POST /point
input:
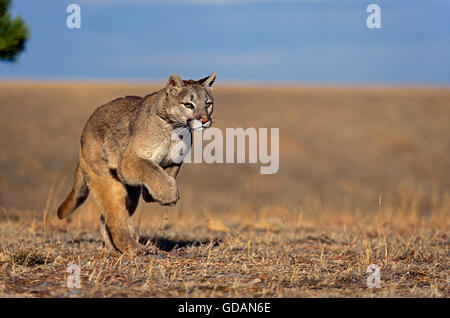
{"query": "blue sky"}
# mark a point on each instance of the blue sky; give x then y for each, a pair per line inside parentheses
(309, 41)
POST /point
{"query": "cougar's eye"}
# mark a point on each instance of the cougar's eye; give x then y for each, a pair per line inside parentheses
(189, 105)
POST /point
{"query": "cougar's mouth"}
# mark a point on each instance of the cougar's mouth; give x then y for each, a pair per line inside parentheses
(200, 124)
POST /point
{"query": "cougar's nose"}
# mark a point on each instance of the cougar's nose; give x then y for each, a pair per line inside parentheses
(204, 120)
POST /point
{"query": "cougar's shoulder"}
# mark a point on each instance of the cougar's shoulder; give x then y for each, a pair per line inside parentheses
(108, 128)
(113, 115)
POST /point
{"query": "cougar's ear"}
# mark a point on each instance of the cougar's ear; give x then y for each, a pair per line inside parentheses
(208, 81)
(174, 84)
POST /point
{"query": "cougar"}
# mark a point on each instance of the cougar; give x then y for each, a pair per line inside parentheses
(126, 150)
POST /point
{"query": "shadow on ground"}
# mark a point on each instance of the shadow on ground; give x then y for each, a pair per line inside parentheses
(168, 245)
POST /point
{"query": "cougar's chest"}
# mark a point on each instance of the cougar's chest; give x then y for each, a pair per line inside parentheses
(156, 152)
(179, 147)
(167, 147)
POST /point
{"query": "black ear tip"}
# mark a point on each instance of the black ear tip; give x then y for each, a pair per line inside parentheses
(208, 80)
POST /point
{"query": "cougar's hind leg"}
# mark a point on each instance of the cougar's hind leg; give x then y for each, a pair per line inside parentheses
(109, 245)
(111, 197)
(134, 193)
(77, 196)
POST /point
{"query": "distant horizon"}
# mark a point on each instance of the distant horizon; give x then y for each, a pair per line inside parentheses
(223, 83)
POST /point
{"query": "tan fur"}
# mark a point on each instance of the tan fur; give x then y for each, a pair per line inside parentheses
(125, 150)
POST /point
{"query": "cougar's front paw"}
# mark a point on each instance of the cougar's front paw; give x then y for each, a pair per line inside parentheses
(168, 193)
(171, 195)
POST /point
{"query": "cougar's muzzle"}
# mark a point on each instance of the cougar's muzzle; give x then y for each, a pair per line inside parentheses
(201, 123)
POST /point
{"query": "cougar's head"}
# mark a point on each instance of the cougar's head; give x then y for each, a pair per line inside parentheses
(189, 103)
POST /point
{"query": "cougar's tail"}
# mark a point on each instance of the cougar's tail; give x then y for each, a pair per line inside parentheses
(77, 196)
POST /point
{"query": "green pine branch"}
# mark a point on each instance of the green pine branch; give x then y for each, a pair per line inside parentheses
(13, 33)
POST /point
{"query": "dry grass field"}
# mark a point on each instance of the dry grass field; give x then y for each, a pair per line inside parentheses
(364, 179)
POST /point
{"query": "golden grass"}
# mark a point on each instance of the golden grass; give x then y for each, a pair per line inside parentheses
(363, 180)
(270, 253)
